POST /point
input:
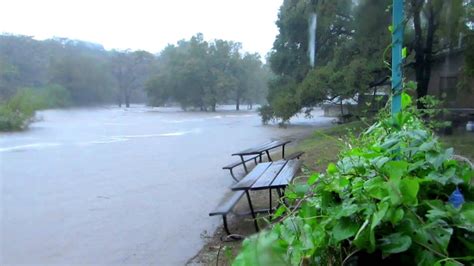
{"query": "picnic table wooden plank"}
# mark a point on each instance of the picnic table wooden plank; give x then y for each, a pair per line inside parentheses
(226, 205)
(251, 177)
(262, 148)
(287, 173)
(269, 175)
(254, 150)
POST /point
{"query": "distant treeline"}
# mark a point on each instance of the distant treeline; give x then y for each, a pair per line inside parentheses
(61, 72)
(200, 74)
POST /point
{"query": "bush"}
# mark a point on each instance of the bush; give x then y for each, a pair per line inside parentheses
(54, 96)
(18, 112)
(266, 113)
(395, 195)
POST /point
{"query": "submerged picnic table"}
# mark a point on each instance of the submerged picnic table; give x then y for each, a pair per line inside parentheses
(264, 148)
(270, 175)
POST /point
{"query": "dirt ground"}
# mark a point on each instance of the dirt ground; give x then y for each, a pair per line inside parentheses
(221, 249)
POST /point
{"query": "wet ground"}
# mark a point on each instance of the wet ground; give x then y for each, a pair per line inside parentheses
(110, 186)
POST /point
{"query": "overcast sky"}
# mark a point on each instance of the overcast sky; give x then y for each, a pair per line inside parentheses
(144, 24)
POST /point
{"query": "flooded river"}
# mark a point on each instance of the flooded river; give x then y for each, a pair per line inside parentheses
(110, 186)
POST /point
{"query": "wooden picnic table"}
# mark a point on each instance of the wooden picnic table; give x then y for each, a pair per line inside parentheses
(269, 175)
(263, 148)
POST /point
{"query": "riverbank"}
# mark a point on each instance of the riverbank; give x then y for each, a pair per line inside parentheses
(321, 148)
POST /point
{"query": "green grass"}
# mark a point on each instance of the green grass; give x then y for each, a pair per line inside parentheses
(462, 142)
(324, 145)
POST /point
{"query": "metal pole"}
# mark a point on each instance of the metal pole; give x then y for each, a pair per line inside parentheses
(397, 43)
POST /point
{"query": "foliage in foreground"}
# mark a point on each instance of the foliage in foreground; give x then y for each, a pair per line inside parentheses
(19, 111)
(391, 196)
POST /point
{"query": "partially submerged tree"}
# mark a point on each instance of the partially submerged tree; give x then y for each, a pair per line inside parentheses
(131, 70)
(201, 74)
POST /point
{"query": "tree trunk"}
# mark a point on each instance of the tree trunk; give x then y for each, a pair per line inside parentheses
(429, 50)
(423, 53)
(419, 53)
(342, 108)
(374, 106)
(127, 99)
(237, 103)
(120, 97)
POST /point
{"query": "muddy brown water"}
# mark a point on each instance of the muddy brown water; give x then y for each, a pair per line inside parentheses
(110, 186)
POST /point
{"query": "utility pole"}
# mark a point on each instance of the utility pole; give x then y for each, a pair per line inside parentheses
(397, 60)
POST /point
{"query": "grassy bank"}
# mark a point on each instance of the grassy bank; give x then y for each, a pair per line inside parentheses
(324, 145)
(321, 148)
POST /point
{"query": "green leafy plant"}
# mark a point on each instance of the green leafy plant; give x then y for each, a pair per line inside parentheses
(18, 112)
(394, 195)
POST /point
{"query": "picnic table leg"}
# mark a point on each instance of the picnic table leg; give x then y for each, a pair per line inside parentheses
(270, 210)
(252, 211)
(268, 155)
(280, 194)
(243, 163)
(226, 227)
(283, 151)
(260, 157)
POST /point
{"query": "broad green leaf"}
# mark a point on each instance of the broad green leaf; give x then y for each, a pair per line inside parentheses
(343, 182)
(424, 258)
(344, 229)
(379, 215)
(375, 187)
(332, 169)
(427, 146)
(406, 100)
(452, 263)
(395, 215)
(307, 237)
(404, 52)
(365, 238)
(439, 235)
(409, 188)
(279, 212)
(438, 177)
(347, 211)
(312, 179)
(395, 243)
(395, 169)
(437, 159)
(467, 211)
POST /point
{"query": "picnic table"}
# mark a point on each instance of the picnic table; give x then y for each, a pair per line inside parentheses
(263, 148)
(269, 175)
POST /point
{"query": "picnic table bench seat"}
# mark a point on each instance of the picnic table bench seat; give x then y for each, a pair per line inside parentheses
(294, 155)
(231, 166)
(226, 206)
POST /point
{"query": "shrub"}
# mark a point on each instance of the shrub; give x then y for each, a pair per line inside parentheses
(266, 113)
(395, 194)
(19, 111)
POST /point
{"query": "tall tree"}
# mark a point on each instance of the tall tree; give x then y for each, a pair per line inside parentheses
(436, 25)
(131, 70)
(350, 39)
(202, 74)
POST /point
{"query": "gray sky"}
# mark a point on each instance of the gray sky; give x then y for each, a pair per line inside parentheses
(144, 24)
